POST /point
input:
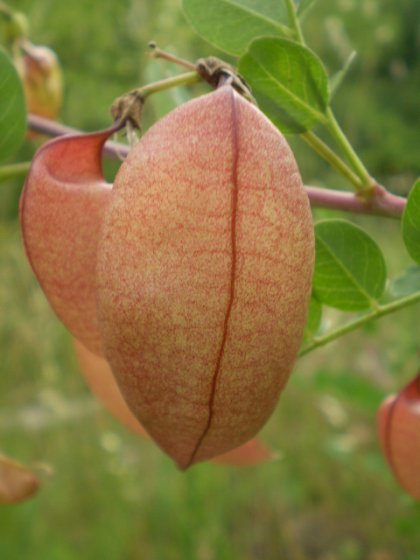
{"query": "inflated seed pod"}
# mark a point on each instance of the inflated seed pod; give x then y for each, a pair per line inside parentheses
(203, 275)
(99, 377)
(61, 211)
(399, 431)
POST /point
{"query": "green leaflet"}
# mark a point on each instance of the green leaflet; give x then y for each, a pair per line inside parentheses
(289, 82)
(231, 25)
(411, 223)
(350, 271)
(314, 318)
(407, 283)
(12, 108)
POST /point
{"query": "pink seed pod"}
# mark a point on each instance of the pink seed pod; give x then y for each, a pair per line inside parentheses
(61, 213)
(399, 432)
(100, 379)
(17, 482)
(204, 273)
(42, 79)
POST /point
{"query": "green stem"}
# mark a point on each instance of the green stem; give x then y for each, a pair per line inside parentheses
(294, 21)
(376, 313)
(349, 152)
(129, 107)
(14, 171)
(163, 55)
(365, 184)
(186, 79)
(321, 148)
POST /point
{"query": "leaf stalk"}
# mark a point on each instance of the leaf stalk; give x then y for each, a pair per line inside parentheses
(376, 313)
(14, 171)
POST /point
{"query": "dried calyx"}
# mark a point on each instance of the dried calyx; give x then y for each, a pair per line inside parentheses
(218, 72)
(128, 108)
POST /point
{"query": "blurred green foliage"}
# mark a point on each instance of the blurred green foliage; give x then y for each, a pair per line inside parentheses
(114, 496)
(378, 103)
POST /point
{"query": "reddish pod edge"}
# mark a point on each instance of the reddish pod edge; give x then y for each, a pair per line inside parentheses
(399, 433)
(17, 482)
(61, 213)
(101, 381)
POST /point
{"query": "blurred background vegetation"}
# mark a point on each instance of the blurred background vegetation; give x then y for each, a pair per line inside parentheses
(109, 495)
